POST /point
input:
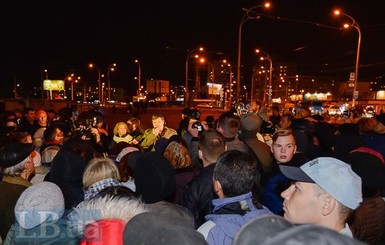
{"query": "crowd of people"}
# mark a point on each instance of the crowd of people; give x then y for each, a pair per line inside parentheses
(243, 178)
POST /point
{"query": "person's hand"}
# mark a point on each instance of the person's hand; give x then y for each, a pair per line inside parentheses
(157, 131)
(134, 141)
(193, 131)
(205, 125)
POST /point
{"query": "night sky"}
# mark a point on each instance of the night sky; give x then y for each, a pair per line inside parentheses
(64, 36)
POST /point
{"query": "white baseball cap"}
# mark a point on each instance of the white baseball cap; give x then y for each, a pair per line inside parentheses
(332, 175)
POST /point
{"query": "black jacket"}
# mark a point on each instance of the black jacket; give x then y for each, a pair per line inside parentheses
(198, 195)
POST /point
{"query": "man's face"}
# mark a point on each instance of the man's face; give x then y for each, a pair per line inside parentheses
(41, 118)
(59, 136)
(30, 116)
(301, 203)
(284, 123)
(158, 123)
(254, 107)
(284, 148)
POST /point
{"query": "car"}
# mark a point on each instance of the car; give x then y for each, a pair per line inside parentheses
(334, 110)
(369, 112)
(204, 105)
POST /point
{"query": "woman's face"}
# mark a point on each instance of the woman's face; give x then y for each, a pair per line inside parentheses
(122, 130)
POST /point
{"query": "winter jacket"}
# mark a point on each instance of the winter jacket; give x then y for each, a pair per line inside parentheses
(199, 193)
(228, 215)
(368, 221)
(149, 138)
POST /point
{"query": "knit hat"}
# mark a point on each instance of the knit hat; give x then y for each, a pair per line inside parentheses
(38, 137)
(39, 203)
(369, 167)
(14, 153)
(133, 159)
(36, 159)
(186, 111)
(154, 177)
(49, 153)
(99, 119)
(299, 234)
(275, 230)
(104, 231)
(154, 228)
(118, 148)
(195, 114)
(332, 175)
(178, 155)
(312, 234)
(125, 151)
(261, 229)
(250, 122)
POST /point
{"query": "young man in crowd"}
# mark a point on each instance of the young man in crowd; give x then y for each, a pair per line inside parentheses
(284, 149)
(199, 192)
(233, 181)
(324, 191)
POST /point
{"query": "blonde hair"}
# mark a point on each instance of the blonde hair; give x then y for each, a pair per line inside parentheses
(281, 133)
(99, 169)
(117, 126)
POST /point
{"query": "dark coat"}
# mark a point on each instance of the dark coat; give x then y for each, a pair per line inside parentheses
(67, 172)
(199, 193)
(368, 221)
(10, 191)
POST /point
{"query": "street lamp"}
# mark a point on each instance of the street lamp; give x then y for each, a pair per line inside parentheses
(72, 81)
(230, 81)
(190, 54)
(245, 17)
(111, 68)
(99, 80)
(267, 57)
(139, 77)
(355, 25)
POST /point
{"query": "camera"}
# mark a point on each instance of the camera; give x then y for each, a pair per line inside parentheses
(198, 125)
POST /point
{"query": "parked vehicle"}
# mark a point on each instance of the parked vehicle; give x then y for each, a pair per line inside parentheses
(204, 105)
(334, 110)
(315, 106)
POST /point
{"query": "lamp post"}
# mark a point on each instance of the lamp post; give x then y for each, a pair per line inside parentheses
(267, 57)
(355, 25)
(72, 81)
(230, 81)
(99, 81)
(139, 77)
(189, 55)
(111, 68)
(245, 17)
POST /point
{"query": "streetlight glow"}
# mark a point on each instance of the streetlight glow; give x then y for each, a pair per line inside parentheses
(245, 17)
(270, 91)
(357, 27)
(111, 68)
(139, 78)
(191, 54)
(99, 80)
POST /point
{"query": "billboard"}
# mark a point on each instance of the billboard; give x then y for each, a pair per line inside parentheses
(53, 85)
(158, 86)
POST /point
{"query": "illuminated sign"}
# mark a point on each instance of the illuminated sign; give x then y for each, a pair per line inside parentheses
(214, 88)
(53, 85)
